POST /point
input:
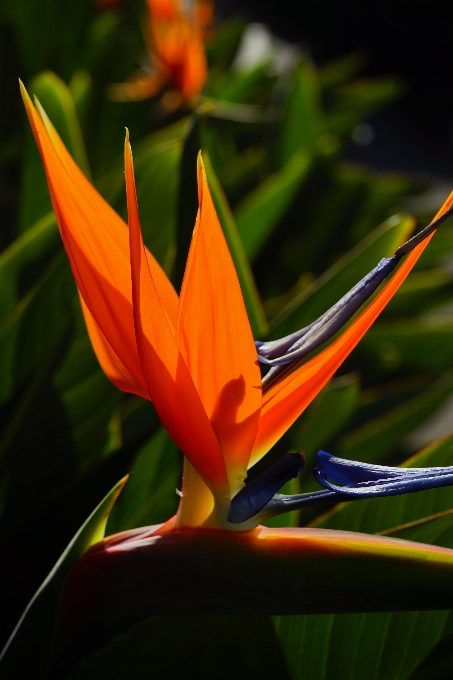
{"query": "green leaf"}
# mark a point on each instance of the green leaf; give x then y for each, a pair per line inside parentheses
(88, 396)
(303, 116)
(342, 276)
(36, 243)
(421, 290)
(150, 496)
(383, 192)
(259, 213)
(81, 88)
(424, 343)
(160, 170)
(386, 646)
(187, 203)
(326, 415)
(357, 100)
(338, 71)
(157, 160)
(221, 48)
(373, 441)
(35, 324)
(252, 301)
(34, 632)
(239, 87)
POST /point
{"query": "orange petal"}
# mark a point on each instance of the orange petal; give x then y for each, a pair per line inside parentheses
(111, 364)
(169, 383)
(137, 88)
(191, 76)
(203, 16)
(96, 241)
(178, 45)
(164, 10)
(216, 341)
(286, 400)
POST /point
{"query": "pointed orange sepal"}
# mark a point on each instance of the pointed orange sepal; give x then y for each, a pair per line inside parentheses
(216, 340)
(169, 383)
(96, 241)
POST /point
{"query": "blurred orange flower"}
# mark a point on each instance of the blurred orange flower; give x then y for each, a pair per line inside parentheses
(175, 38)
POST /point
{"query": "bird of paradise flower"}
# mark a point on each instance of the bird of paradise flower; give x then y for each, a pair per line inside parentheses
(195, 358)
(175, 39)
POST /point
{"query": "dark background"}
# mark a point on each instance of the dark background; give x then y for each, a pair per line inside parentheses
(410, 40)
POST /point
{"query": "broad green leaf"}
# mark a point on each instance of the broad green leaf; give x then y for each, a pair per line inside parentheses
(421, 290)
(435, 529)
(35, 445)
(373, 441)
(438, 664)
(187, 201)
(239, 87)
(34, 632)
(326, 415)
(34, 202)
(35, 324)
(221, 48)
(87, 395)
(259, 213)
(157, 162)
(386, 646)
(240, 170)
(150, 496)
(37, 242)
(99, 38)
(382, 194)
(111, 184)
(342, 276)
(424, 343)
(438, 247)
(303, 116)
(338, 71)
(81, 88)
(251, 298)
(157, 191)
(357, 100)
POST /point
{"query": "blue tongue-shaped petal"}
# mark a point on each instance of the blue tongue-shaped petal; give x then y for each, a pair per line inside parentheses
(255, 495)
(362, 480)
(359, 481)
(297, 345)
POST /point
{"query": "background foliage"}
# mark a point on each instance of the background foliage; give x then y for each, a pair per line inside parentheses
(303, 224)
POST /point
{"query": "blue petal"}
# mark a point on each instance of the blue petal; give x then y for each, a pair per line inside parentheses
(350, 472)
(388, 487)
(301, 343)
(255, 495)
(362, 480)
(294, 347)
